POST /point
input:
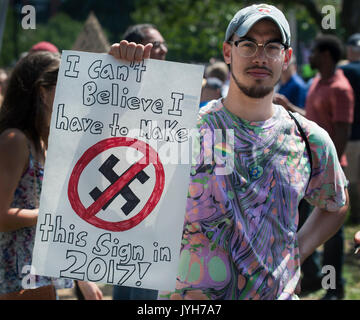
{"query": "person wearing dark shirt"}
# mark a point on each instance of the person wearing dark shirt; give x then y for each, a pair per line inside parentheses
(292, 86)
(352, 73)
(211, 90)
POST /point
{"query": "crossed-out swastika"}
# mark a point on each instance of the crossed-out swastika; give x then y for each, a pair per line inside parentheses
(131, 199)
(119, 184)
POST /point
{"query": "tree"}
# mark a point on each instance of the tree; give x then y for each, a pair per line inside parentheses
(347, 15)
(350, 17)
(194, 30)
(60, 30)
(113, 15)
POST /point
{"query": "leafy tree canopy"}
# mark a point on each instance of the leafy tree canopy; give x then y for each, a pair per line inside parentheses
(194, 30)
(60, 30)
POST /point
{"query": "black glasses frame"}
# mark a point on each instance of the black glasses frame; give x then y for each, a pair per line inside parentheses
(236, 43)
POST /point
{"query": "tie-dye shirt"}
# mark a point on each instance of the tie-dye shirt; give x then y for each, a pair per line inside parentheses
(239, 239)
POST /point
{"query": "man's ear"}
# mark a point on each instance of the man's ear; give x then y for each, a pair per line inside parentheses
(288, 54)
(227, 52)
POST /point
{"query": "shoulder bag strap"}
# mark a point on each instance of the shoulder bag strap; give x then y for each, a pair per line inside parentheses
(308, 149)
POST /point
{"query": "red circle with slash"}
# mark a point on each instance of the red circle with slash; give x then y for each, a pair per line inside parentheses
(150, 156)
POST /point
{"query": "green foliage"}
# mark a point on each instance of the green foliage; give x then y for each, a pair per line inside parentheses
(194, 30)
(113, 15)
(60, 30)
(8, 44)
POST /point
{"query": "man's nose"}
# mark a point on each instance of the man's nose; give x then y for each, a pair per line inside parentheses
(260, 55)
(163, 48)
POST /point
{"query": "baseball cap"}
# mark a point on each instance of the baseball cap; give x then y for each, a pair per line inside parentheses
(354, 40)
(245, 18)
(44, 46)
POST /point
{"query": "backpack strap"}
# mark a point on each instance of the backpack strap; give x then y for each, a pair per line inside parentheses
(308, 149)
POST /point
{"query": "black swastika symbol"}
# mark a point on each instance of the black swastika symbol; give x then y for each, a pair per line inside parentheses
(131, 199)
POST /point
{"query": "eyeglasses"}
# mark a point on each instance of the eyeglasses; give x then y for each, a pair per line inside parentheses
(248, 48)
(158, 44)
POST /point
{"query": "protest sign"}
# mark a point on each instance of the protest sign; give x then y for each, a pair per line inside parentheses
(117, 170)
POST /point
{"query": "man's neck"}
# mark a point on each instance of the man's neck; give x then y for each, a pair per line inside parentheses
(327, 71)
(247, 108)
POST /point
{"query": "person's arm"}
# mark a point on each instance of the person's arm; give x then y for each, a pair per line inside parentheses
(90, 290)
(357, 243)
(282, 100)
(130, 51)
(320, 226)
(13, 161)
(341, 136)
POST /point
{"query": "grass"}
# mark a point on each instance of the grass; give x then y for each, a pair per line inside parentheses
(351, 269)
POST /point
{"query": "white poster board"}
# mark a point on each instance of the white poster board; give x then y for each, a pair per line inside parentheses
(117, 170)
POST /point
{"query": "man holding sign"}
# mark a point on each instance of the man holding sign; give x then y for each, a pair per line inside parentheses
(240, 238)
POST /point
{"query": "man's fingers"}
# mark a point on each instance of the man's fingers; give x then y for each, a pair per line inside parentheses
(122, 48)
(139, 52)
(147, 50)
(115, 50)
(130, 51)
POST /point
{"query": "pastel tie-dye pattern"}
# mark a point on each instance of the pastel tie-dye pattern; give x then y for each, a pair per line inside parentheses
(239, 239)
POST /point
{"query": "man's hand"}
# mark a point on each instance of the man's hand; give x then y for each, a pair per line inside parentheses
(282, 100)
(130, 51)
(285, 102)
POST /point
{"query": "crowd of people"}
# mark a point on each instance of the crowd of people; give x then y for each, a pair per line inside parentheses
(258, 227)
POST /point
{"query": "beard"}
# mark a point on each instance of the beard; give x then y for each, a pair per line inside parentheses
(256, 91)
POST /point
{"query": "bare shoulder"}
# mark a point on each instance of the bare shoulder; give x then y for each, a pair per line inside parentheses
(12, 139)
(14, 145)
